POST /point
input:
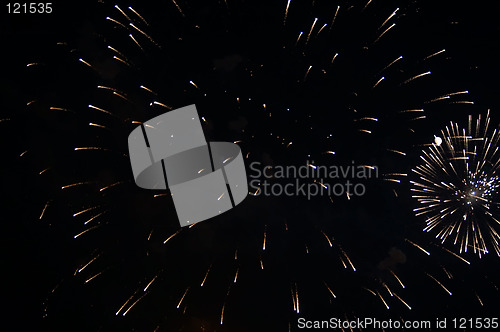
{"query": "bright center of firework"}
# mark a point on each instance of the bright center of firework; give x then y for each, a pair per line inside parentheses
(479, 190)
(438, 140)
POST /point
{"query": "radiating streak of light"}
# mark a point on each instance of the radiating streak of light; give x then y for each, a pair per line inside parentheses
(124, 304)
(116, 22)
(334, 17)
(148, 90)
(143, 33)
(94, 217)
(334, 57)
(75, 184)
(149, 284)
(400, 299)
(171, 236)
(434, 54)
(415, 77)
(384, 32)
(206, 275)
(311, 30)
(329, 289)
(418, 247)
(133, 304)
(457, 256)
(327, 238)
(296, 42)
(286, 12)
(412, 110)
(122, 61)
(307, 73)
(396, 277)
(387, 19)
(121, 96)
(293, 298)
(383, 301)
(93, 277)
(86, 210)
(369, 290)
(378, 82)
(117, 52)
(86, 63)
(52, 108)
(437, 99)
(264, 239)
(112, 185)
(479, 299)
(438, 282)
(87, 264)
(43, 211)
(162, 105)
(462, 102)
(236, 275)
(136, 42)
(348, 259)
(321, 29)
(101, 110)
(123, 13)
(222, 313)
(297, 297)
(138, 15)
(182, 298)
(178, 8)
(194, 84)
(97, 125)
(388, 289)
(396, 151)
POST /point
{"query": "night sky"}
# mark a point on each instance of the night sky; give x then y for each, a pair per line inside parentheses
(255, 82)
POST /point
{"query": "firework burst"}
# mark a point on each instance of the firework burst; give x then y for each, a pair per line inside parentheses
(458, 186)
(333, 94)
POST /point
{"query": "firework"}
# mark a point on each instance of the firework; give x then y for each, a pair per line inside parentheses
(332, 93)
(458, 186)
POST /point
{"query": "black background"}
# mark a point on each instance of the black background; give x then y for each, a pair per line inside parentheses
(41, 254)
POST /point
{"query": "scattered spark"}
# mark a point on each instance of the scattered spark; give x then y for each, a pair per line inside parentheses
(438, 282)
(434, 54)
(384, 32)
(311, 30)
(417, 246)
(286, 11)
(182, 298)
(395, 276)
(307, 73)
(149, 284)
(331, 292)
(93, 277)
(416, 76)
(43, 211)
(327, 238)
(400, 299)
(206, 275)
(171, 236)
